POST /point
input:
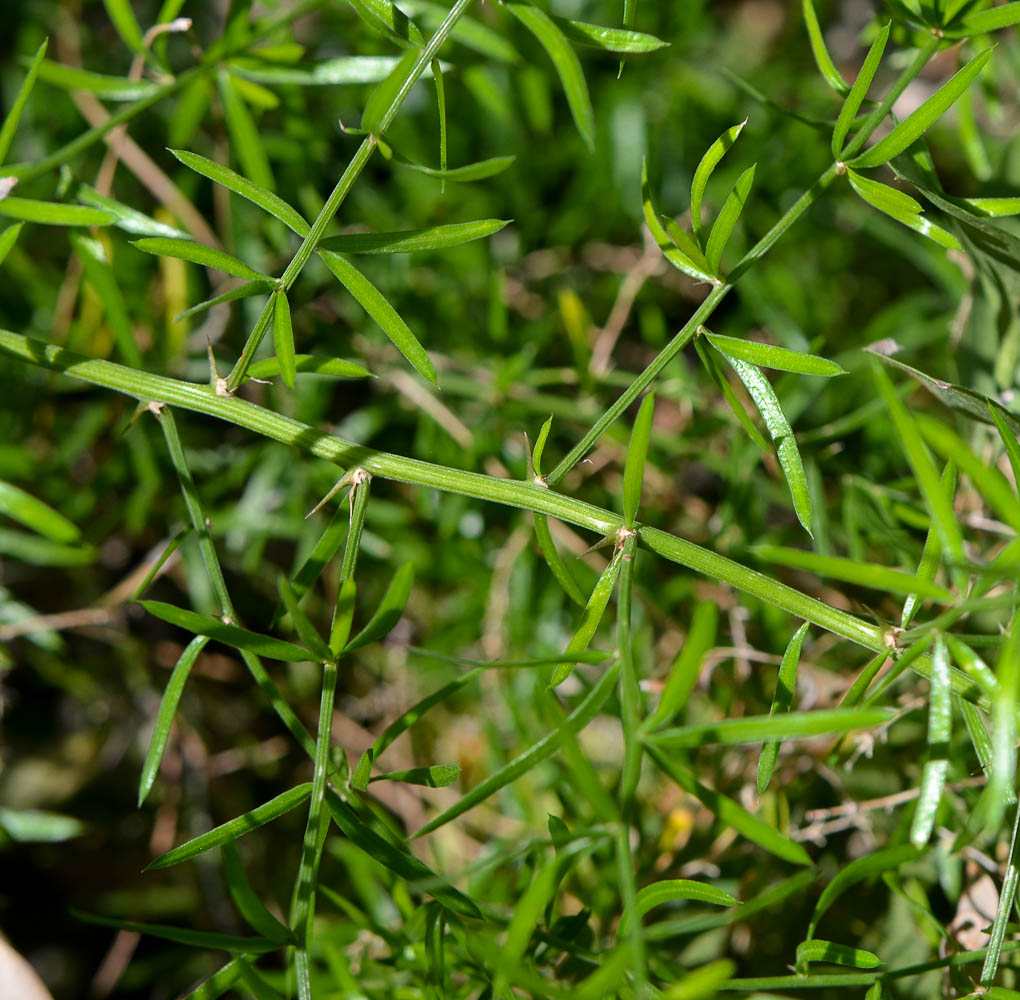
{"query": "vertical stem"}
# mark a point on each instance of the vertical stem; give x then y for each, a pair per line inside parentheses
(630, 692)
(318, 817)
(212, 565)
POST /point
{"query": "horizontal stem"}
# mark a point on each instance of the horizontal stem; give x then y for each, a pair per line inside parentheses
(527, 496)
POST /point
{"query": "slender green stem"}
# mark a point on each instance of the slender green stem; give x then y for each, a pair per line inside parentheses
(212, 564)
(304, 909)
(628, 896)
(526, 496)
(342, 189)
(663, 358)
(878, 113)
(701, 315)
(359, 501)
(630, 692)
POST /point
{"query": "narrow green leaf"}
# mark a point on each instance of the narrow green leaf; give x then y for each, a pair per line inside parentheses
(128, 219)
(678, 248)
(871, 864)
(362, 773)
(283, 338)
(708, 359)
(919, 121)
(931, 554)
(940, 731)
(858, 91)
(304, 628)
(994, 207)
(218, 983)
(1002, 773)
(621, 40)
(1009, 440)
(343, 616)
(577, 720)
(10, 125)
(527, 913)
(8, 238)
(53, 213)
(100, 275)
(555, 561)
(197, 253)
(343, 71)
(536, 455)
(863, 574)
(769, 356)
(977, 732)
(729, 813)
(413, 240)
(667, 891)
(972, 665)
(391, 607)
(245, 142)
(403, 864)
(901, 207)
(789, 726)
(826, 66)
(374, 303)
(183, 935)
(165, 716)
(988, 480)
(42, 552)
(817, 950)
(124, 20)
(385, 94)
(704, 171)
(232, 181)
(984, 21)
(701, 636)
(590, 619)
(722, 228)
(247, 902)
(1007, 897)
(245, 291)
(389, 21)
(237, 827)
(436, 776)
(856, 692)
(34, 514)
(312, 365)
(637, 453)
(778, 426)
(108, 88)
(786, 684)
(957, 397)
(936, 499)
(567, 65)
(469, 172)
(230, 635)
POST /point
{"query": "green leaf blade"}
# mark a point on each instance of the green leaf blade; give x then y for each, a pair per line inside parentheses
(414, 240)
(858, 91)
(10, 125)
(727, 218)
(637, 453)
(770, 356)
(198, 253)
(704, 171)
(283, 338)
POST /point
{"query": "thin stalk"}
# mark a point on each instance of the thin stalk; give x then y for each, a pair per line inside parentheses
(701, 315)
(343, 187)
(628, 896)
(526, 496)
(212, 565)
(878, 113)
(630, 692)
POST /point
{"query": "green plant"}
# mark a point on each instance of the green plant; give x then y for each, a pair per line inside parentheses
(576, 844)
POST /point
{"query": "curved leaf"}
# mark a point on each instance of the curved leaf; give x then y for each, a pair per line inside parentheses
(391, 607)
(817, 950)
(678, 248)
(901, 207)
(596, 36)
(770, 356)
(704, 171)
(826, 66)
(109, 88)
(34, 514)
(10, 125)
(54, 213)
(310, 364)
(568, 67)
(940, 732)
(127, 218)
(727, 218)
(786, 684)
(668, 891)
(283, 337)
(184, 935)
(637, 452)
(858, 91)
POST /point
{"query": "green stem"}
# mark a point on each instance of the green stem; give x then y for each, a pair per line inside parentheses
(630, 691)
(701, 315)
(212, 565)
(343, 187)
(920, 60)
(628, 896)
(526, 496)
